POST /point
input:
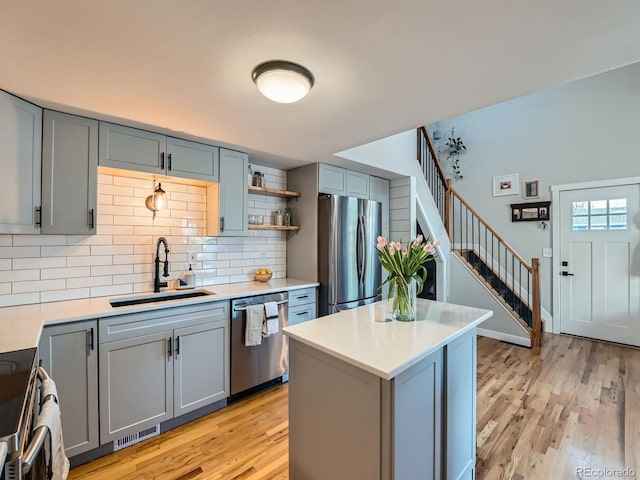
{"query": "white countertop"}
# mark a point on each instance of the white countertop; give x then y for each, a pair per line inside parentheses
(387, 348)
(20, 326)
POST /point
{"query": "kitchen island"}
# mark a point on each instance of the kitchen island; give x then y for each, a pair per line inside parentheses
(376, 400)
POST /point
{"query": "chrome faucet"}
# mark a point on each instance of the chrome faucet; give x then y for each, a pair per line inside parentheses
(165, 273)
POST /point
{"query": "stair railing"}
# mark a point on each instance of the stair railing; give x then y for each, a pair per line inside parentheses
(513, 280)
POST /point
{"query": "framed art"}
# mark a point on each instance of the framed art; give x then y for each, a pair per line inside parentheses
(505, 185)
(531, 189)
(530, 212)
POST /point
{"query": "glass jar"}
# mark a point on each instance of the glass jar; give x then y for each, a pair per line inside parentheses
(286, 217)
(278, 218)
(258, 180)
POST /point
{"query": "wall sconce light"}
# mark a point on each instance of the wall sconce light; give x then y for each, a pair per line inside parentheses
(157, 200)
(282, 81)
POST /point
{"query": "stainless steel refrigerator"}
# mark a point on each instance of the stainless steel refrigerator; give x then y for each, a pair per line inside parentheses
(348, 269)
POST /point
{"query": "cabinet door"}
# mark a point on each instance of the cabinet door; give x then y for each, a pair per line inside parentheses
(357, 184)
(69, 355)
(417, 422)
(332, 179)
(20, 164)
(233, 193)
(192, 160)
(461, 406)
(201, 366)
(131, 149)
(136, 384)
(302, 313)
(69, 173)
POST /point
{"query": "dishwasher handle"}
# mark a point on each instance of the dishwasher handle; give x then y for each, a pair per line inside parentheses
(244, 307)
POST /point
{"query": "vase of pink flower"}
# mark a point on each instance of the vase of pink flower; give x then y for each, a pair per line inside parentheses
(407, 273)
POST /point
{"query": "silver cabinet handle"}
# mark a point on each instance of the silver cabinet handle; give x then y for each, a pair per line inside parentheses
(239, 309)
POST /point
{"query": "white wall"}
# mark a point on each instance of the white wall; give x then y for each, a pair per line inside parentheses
(119, 259)
(585, 130)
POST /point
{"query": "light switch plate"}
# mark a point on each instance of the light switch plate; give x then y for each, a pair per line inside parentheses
(192, 257)
(547, 252)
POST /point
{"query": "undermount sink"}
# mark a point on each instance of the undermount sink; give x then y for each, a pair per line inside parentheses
(157, 297)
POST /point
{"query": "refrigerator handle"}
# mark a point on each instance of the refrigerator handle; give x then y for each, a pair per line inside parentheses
(361, 244)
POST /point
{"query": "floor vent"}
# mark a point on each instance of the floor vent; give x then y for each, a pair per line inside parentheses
(136, 437)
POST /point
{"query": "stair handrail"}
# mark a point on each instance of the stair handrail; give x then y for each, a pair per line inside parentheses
(449, 194)
(490, 228)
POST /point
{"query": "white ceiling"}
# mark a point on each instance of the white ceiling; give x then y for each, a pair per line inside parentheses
(381, 66)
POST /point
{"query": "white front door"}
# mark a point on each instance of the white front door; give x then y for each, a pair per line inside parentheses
(600, 263)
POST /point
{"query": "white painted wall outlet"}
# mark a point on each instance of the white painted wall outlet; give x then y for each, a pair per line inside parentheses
(192, 257)
(263, 255)
(547, 252)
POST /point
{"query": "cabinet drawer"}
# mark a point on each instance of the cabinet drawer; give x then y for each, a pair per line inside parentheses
(302, 296)
(159, 320)
(302, 313)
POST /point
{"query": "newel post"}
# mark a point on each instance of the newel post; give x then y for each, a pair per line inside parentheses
(536, 322)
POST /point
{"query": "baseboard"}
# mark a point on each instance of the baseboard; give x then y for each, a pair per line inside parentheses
(505, 337)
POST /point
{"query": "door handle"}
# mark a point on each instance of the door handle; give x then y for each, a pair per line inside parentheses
(169, 350)
(567, 274)
(177, 346)
(169, 162)
(161, 160)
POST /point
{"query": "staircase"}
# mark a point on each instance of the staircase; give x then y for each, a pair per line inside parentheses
(511, 280)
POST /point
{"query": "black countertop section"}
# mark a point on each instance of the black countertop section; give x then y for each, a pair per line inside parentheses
(15, 372)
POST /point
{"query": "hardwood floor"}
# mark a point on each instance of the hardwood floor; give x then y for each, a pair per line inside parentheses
(577, 405)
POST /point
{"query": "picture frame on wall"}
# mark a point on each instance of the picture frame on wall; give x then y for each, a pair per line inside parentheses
(531, 189)
(506, 185)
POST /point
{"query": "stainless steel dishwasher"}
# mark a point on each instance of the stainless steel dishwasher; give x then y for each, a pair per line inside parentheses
(253, 367)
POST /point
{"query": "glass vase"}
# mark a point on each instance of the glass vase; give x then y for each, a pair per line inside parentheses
(404, 300)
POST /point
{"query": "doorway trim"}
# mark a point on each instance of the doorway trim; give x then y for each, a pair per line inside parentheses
(555, 233)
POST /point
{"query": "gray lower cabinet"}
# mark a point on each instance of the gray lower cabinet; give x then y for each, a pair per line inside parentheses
(347, 423)
(69, 174)
(20, 164)
(69, 354)
(158, 365)
(302, 305)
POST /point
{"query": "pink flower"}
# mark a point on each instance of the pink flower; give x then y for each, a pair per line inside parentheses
(430, 248)
(436, 242)
(404, 250)
(398, 245)
(392, 250)
(382, 241)
(418, 240)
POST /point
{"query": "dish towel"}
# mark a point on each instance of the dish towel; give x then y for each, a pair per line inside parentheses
(272, 324)
(50, 418)
(253, 330)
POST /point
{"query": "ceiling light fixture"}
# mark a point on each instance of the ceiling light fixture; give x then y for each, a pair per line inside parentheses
(157, 200)
(282, 81)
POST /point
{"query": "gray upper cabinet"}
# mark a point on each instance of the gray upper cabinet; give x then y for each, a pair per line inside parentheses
(69, 174)
(357, 184)
(332, 179)
(69, 355)
(233, 193)
(192, 160)
(132, 149)
(20, 163)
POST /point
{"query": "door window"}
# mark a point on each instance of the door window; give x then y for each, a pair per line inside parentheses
(607, 214)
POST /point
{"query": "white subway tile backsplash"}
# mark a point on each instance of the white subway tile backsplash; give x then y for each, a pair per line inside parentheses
(119, 259)
(13, 252)
(110, 290)
(19, 299)
(39, 240)
(69, 272)
(21, 275)
(66, 251)
(29, 263)
(37, 286)
(67, 294)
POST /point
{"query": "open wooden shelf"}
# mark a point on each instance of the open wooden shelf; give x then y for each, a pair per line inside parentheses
(273, 227)
(272, 192)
